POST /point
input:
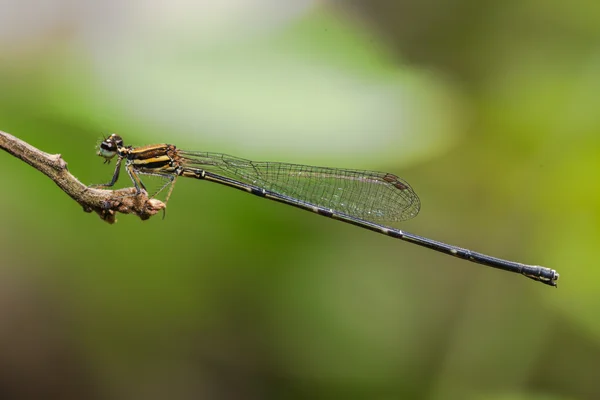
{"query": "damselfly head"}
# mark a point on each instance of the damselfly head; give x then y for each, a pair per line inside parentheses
(109, 147)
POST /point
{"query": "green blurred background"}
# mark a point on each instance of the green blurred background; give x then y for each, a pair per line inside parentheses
(489, 109)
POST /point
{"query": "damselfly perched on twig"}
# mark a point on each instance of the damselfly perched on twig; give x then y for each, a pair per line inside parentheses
(363, 198)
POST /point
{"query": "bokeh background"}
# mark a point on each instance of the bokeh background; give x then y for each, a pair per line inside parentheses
(488, 108)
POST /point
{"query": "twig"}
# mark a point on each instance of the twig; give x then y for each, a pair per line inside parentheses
(106, 203)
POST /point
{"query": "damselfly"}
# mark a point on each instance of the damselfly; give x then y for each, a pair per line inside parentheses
(363, 198)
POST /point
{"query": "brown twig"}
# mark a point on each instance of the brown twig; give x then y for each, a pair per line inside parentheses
(106, 203)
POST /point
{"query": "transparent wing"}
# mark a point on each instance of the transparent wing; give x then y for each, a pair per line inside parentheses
(369, 195)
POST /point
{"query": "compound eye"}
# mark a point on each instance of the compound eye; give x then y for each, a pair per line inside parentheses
(117, 140)
(108, 147)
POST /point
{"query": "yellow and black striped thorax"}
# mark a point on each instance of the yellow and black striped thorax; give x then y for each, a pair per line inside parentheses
(156, 157)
